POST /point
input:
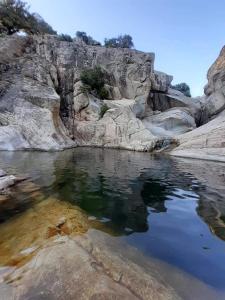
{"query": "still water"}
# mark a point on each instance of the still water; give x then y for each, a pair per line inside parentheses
(169, 208)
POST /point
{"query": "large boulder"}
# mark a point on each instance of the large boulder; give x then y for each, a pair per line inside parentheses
(215, 89)
(29, 106)
(205, 142)
(171, 122)
(119, 128)
(208, 140)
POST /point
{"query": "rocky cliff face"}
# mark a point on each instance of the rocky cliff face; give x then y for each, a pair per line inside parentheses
(208, 141)
(42, 106)
(29, 104)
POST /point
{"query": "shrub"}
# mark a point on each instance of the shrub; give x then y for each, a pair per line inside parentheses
(103, 110)
(15, 16)
(65, 37)
(183, 88)
(103, 93)
(122, 41)
(87, 39)
(93, 82)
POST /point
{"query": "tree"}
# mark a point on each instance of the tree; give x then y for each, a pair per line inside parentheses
(82, 35)
(122, 41)
(125, 41)
(42, 26)
(65, 37)
(15, 16)
(111, 43)
(183, 88)
(87, 39)
(93, 81)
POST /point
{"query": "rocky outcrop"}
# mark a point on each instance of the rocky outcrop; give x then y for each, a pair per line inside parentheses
(42, 106)
(29, 104)
(215, 89)
(208, 141)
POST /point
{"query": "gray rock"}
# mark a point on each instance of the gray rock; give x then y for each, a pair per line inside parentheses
(7, 181)
(215, 89)
(170, 122)
(42, 106)
(208, 140)
(45, 87)
(2, 173)
(79, 268)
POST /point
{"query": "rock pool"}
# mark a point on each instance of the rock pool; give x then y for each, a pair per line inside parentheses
(171, 210)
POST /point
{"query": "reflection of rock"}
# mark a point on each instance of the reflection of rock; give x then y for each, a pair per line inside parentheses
(17, 197)
(122, 184)
(211, 205)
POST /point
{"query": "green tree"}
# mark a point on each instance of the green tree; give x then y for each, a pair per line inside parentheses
(183, 88)
(15, 16)
(87, 39)
(93, 81)
(65, 37)
(122, 41)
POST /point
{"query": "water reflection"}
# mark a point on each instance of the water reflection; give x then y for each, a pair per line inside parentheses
(168, 208)
(122, 188)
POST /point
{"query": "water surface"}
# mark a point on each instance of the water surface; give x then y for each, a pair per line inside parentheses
(171, 209)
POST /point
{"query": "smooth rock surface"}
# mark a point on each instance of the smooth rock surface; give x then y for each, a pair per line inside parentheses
(77, 269)
(205, 142)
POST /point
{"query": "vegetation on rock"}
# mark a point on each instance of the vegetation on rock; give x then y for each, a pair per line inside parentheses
(122, 41)
(93, 82)
(183, 88)
(103, 110)
(87, 39)
(15, 17)
(65, 37)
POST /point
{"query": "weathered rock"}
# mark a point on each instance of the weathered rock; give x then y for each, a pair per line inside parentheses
(29, 106)
(215, 89)
(41, 75)
(171, 122)
(119, 128)
(2, 173)
(208, 141)
(42, 106)
(77, 269)
(7, 181)
(205, 142)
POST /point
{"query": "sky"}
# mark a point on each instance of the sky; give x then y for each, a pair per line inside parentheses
(185, 35)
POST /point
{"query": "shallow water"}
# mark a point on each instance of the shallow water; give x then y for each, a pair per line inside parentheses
(170, 209)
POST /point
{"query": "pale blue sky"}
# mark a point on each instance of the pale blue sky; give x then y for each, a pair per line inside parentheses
(186, 35)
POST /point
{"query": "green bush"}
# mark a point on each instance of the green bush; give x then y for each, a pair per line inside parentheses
(122, 41)
(87, 39)
(183, 88)
(103, 93)
(103, 110)
(93, 81)
(65, 37)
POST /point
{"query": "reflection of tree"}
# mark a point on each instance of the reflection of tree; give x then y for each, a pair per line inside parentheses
(154, 194)
(96, 197)
(112, 188)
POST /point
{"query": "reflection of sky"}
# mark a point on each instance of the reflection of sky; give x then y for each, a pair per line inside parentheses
(181, 238)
